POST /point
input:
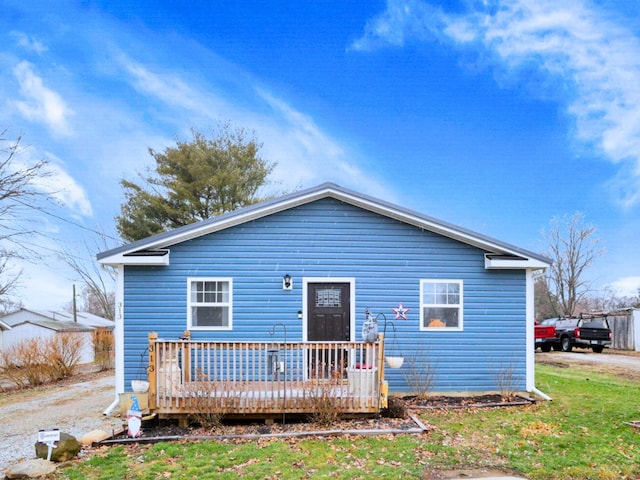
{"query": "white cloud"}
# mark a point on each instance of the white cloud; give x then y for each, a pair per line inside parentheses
(596, 60)
(40, 103)
(626, 287)
(169, 88)
(63, 187)
(57, 182)
(29, 43)
(402, 20)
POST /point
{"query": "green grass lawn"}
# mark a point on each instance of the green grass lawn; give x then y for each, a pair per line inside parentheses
(580, 435)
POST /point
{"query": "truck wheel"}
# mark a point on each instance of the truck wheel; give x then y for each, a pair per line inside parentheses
(566, 344)
(546, 347)
(598, 349)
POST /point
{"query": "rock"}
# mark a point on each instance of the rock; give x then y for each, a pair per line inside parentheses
(93, 436)
(67, 448)
(30, 469)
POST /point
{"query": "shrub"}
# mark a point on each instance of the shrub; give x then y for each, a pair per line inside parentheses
(25, 364)
(323, 401)
(103, 348)
(506, 381)
(203, 398)
(63, 352)
(419, 373)
(395, 408)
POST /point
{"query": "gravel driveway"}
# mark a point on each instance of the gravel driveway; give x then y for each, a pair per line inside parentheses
(74, 407)
(615, 362)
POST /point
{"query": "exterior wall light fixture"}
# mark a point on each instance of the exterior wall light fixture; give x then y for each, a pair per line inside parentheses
(287, 282)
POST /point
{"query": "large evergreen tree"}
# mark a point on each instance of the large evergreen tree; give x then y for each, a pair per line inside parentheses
(192, 181)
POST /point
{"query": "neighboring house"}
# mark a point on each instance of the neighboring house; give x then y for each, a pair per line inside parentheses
(309, 264)
(26, 324)
(3, 327)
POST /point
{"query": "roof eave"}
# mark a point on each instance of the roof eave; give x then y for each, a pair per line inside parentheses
(514, 263)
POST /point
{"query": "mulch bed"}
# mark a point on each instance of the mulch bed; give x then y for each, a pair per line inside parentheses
(397, 419)
(475, 401)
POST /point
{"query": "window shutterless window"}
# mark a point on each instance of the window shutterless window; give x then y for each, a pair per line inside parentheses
(209, 305)
(441, 304)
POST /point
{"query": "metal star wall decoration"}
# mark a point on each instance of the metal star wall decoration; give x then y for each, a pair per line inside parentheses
(401, 312)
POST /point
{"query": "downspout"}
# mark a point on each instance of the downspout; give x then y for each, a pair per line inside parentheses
(543, 395)
(530, 342)
(118, 333)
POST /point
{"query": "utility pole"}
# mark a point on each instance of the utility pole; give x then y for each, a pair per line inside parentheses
(75, 311)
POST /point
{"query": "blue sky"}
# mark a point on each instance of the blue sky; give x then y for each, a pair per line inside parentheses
(496, 115)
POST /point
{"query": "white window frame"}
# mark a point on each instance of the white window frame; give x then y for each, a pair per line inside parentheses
(190, 304)
(460, 305)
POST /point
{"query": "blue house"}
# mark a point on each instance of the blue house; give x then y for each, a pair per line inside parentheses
(308, 266)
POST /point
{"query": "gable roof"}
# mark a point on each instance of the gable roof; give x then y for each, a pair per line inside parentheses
(154, 250)
(84, 318)
(56, 325)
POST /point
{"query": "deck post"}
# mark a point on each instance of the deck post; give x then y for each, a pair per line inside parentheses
(151, 370)
(381, 389)
(186, 356)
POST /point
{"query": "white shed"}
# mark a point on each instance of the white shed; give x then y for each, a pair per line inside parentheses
(26, 324)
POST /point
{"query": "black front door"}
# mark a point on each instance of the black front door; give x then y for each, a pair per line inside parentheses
(329, 310)
(329, 320)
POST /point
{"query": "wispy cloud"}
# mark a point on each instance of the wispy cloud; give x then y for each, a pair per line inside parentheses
(57, 182)
(41, 104)
(169, 88)
(305, 154)
(401, 21)
(29, 43)
(569, 42)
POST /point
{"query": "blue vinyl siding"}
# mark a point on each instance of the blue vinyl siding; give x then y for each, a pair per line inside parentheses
(328, 238)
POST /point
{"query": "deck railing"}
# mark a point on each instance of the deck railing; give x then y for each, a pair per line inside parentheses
(189, 376)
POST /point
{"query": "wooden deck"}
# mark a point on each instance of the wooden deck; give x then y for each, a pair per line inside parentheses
(264, 378)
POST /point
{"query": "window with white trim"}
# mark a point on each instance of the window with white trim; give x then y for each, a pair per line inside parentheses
(441, 304)
(209, 305)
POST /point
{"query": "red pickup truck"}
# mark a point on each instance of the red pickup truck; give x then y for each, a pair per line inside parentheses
(545, 334)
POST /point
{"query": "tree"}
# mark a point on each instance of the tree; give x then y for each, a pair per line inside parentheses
(546, 303)
(193, 181)
(18, 195)
(96, 294)
(573, 247)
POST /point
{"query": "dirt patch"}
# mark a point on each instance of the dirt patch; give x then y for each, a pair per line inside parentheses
(466, 473)
(613, 362)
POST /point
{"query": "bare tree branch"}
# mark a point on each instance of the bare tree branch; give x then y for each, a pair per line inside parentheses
(17, 193)
(573, 247)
